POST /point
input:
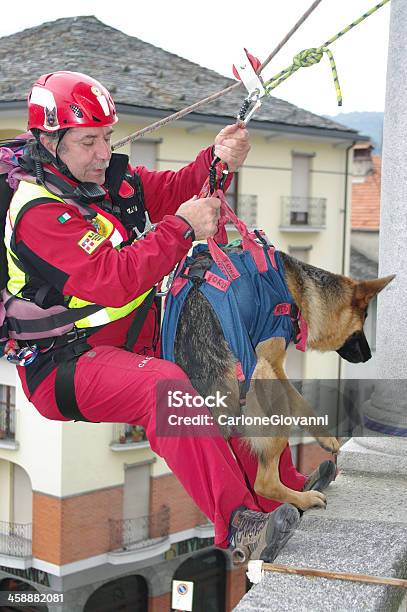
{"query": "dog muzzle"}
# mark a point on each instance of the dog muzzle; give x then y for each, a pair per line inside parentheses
(356, 348)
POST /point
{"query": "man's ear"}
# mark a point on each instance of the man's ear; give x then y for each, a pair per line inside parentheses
(49, 143)
(364, 291)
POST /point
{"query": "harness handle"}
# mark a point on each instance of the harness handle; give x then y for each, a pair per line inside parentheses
(249, 239)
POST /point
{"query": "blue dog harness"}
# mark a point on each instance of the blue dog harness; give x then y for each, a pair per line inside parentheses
(247, 290)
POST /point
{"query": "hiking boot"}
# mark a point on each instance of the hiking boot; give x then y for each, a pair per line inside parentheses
(321, 477)
(260, 535)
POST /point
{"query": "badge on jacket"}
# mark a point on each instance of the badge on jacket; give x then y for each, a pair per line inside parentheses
(90, 241)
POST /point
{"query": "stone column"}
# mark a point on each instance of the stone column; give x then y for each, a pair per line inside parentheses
(386, 411)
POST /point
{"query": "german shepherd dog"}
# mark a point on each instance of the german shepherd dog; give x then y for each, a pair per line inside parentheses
(334, 308)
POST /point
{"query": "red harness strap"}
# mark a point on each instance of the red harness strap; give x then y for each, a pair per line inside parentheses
(300, 324)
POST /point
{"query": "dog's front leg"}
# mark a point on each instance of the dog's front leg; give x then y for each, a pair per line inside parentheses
(300, 407)
(268, 482)
(265, 399)
(274, 352)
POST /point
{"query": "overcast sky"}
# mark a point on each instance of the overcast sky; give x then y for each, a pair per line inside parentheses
(210, 33)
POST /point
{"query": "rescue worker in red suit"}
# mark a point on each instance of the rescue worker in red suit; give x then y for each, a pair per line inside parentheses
(74, 258)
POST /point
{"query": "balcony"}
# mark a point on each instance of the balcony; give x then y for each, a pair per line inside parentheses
(15, 544)
(139, 538)
(7, 417)
(128, 437)
(302, 214)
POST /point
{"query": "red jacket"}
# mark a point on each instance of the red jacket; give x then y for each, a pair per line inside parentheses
(107, 276)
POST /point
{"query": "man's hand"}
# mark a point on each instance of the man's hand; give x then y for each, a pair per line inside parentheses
(202, 214)
(232, 145)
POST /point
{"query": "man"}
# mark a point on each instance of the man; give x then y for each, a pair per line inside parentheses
(71, 251)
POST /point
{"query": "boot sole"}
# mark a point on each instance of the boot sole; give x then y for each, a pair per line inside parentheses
(327, 473)
(285, 521)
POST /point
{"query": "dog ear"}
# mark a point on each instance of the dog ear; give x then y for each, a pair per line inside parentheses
(366, 290)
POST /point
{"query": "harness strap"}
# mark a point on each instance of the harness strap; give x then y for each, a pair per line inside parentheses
(65, 381)
(50, 322)
(222, 260)
(138, 320)
(249, 243)
(68, 356)
(217, 281)
(179, 281)
(299, 323)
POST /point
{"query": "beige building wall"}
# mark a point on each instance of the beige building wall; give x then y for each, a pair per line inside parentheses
(5, 490)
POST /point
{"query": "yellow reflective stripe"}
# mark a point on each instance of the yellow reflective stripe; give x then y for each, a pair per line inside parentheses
(16, 276)
(25, 193)
(108, 314)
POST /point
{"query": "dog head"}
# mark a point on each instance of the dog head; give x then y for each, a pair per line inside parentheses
(50, 120)
(355, 347)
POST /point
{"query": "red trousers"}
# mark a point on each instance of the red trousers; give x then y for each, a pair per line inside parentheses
(113, 385)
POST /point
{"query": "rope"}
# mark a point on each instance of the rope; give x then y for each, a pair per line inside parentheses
(310, 57)
(178, 115)
(304, 59)
(307, 571)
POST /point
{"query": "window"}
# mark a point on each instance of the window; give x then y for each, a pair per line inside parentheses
(7, 412)
(300, 188)
(299, 218)
(232, 193)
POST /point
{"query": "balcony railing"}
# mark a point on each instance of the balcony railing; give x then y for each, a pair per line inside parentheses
(136, 533)
(299, 213)
(128, 434)
(7, 413)
(15, 539)
(247, 209)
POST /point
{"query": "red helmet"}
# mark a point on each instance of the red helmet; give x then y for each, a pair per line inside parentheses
(69, 99)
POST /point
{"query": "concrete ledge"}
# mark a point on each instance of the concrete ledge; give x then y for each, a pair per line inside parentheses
(363, 530)
(372, 455)
(377, 548)
(372, 497)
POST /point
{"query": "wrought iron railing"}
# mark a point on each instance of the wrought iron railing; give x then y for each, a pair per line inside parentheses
(7, 413)
(306, 212)
(140, 532)
(128, 434)
(15, 539)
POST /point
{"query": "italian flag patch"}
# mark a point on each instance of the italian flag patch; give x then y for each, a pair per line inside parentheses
(64, 217)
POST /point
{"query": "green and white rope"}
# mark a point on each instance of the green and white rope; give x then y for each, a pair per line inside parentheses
(310, 57)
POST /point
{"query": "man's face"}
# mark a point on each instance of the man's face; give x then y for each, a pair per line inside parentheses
(86, 152)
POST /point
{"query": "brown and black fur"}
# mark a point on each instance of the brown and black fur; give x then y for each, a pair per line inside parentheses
(334, 308)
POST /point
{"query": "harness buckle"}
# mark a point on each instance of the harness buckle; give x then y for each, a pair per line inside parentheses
(75, 334)
(261, 236)
(149, 227)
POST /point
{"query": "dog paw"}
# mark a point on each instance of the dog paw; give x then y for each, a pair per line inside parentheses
(311, 499)
(329, 444)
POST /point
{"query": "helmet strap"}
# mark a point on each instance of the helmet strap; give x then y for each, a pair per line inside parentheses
(55, 159)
